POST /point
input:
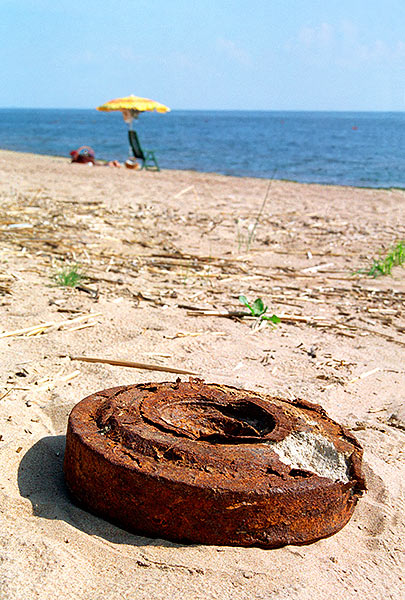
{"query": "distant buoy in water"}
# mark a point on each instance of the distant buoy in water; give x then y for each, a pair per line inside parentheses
(355, 128)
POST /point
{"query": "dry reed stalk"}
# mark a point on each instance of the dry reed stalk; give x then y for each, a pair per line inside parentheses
(48, 326)
(7, 393)
(216, 313)
(45, 383)
(69, 376)
(317, 268)
(364, 375)
(133, 365)
(84, 326)
(26, 330)
(190, 188)
(317, 321)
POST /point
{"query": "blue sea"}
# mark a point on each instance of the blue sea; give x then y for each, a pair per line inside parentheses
(345, 148)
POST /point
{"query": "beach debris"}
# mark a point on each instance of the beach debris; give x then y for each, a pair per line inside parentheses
(343, 382)
(286, 317)
(46, 383)
(34, 330)
(316, 268)
(397, 418)
(19, 226)
(212, 464)
(91, 291)
(366, 374)
(184, 334)
(6, 281)
(133, 365)
(6, 393)
(190, 188)
(116, 270)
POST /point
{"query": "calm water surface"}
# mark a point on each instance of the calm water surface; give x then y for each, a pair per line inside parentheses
(360, 149)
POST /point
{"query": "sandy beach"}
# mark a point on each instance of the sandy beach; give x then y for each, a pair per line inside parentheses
(165, 257)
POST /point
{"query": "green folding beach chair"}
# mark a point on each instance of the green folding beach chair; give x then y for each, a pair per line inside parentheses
(147, 157)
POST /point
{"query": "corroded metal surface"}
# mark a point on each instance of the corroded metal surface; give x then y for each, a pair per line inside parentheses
(212, 464)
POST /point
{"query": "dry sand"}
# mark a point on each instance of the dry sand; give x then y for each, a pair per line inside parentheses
(155, 246)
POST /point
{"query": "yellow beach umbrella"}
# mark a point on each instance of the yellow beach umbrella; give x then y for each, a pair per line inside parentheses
(132, 106)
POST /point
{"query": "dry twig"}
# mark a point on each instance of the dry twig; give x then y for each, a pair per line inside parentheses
(51, 326)
(133, 365)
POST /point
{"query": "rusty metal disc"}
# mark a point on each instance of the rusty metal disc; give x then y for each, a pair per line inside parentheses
(212, 464)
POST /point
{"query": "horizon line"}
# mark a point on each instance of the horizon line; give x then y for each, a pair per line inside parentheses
(318, 110)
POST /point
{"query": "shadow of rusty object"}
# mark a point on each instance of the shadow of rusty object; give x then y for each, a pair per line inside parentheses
(212, 464)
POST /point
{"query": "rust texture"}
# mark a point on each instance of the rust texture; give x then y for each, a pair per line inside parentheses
(212, 464)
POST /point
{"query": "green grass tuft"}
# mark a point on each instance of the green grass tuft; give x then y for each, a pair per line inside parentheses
(69, 276)
(394, 258)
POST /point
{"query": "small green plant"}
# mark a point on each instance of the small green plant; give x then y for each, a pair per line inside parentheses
(258, 309)
(394, 258)
(69, 276)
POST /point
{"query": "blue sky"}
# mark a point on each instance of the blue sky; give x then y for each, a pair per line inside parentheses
(212, 54)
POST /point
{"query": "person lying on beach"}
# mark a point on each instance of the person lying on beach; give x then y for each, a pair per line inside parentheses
(83, 155)
(131, 163)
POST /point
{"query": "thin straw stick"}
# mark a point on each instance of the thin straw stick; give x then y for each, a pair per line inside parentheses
(187, 189)
(259, 214)
(316, 268)
(36, 329)
(133, 365)
(364, 375)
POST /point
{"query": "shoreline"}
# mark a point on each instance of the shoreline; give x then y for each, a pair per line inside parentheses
(343, 185)
(164, 257)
